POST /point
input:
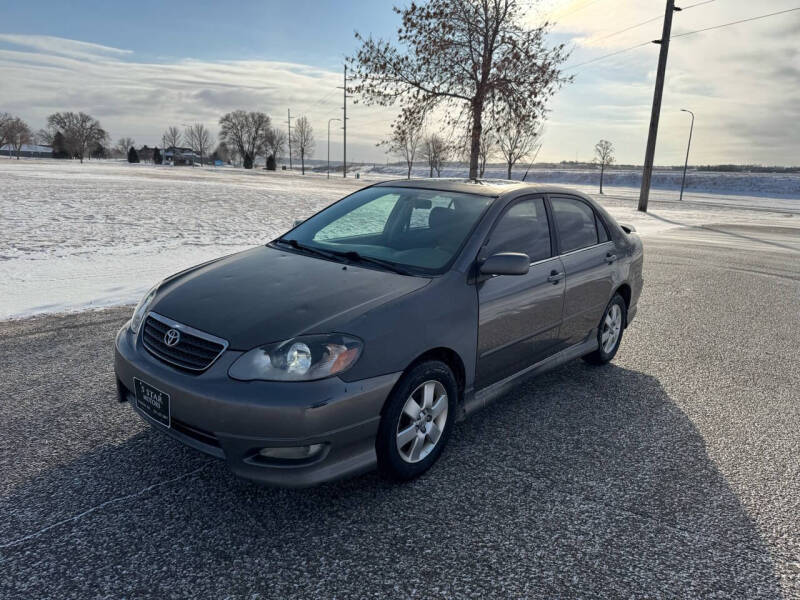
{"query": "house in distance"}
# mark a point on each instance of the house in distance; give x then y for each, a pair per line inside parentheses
(181, 157)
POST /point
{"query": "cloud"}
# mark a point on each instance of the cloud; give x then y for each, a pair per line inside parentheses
(61, 46)
(141, 99)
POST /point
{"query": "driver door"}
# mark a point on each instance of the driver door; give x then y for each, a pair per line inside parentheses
(519, 315)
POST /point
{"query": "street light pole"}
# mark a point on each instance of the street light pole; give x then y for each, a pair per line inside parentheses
(329, 145)
(689, 145)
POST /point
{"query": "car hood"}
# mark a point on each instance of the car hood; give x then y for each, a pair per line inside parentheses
(267, 295)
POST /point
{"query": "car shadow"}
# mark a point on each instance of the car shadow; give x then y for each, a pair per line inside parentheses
(585, 482)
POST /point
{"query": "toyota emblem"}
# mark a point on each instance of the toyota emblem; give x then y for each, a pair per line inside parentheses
(172, 337)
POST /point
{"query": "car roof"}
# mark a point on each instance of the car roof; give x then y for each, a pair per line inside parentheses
(483, 187)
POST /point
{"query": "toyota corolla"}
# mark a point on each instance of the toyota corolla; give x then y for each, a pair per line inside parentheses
(357, 339)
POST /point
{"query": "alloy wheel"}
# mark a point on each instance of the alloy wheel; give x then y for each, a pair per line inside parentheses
(612, 327)
(422, 421)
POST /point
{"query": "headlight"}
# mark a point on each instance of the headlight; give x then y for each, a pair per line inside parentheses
(303, 358)
(141, 309)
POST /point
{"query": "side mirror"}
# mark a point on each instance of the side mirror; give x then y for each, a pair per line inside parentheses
(506, 263)
(298, 222)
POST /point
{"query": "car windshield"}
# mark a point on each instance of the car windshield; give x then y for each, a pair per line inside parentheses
(413, 230)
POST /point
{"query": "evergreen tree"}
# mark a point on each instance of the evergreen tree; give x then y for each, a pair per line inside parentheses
(99, 151)
(59, 146)
(157, 158)
(271, 162)
(133, 156)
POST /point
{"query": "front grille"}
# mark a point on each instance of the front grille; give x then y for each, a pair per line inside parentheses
(195, 351)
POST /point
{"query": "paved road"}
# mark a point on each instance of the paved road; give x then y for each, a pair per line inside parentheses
(673, 472)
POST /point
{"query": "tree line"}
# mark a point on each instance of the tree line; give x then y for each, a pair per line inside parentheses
(69, 134)
(244, 136)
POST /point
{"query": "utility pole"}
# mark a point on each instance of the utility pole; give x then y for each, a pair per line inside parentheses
(689, 145)
(329, 144)
(647, 174)
(289, 121)
(344, 121)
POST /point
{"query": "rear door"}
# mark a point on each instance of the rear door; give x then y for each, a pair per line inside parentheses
(519, 315)
(587, 254)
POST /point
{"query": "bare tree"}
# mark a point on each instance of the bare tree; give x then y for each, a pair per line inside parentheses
(124, 144)
(303, 140)
(199, 139)
(466, 56)
(486, 146)
(44, 137)
(172, 138)
(603, 154)
(5, 119)
(243, 132)
(486, 149)
(405, 138)
(516, 142)
(274, 142)
(81, 131)
(17, 133)
(435, 152)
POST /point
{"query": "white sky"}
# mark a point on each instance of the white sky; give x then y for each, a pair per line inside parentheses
(742, 82)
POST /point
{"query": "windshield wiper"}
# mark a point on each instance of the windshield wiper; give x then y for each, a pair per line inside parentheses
(309, 249)
(379, 262)
(350, 255)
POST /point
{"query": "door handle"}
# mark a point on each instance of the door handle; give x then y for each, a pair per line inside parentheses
(555, 277)
(610, 258)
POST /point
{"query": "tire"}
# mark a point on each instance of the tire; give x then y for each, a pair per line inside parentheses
(613, 322)
(401, 459)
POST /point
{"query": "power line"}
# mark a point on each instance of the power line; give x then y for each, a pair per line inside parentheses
(605, 37)
(604, 56)
(780, 12)
(697, 4)
(579, 8)
(656, 18)
(588, 62)
(569, 12)
(320, 101)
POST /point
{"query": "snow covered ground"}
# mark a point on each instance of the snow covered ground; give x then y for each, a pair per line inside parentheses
(75, 236)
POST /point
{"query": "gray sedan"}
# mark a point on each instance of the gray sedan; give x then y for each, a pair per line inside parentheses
(359, 337)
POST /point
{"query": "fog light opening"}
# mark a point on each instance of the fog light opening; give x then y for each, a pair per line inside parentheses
(291, 452)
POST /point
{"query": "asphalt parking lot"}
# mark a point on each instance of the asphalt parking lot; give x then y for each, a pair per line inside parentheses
(672, 472)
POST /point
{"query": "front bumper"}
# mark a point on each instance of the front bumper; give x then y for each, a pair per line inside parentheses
(233, 420)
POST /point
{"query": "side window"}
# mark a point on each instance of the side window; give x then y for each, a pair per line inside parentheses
(602, 232)
(576, 224)
(523, 228)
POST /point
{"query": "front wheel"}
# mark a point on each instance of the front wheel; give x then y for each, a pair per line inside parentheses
(609, 332)
(416, 421)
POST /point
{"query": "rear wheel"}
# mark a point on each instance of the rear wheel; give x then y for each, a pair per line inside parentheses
(416, 421)
(609, 332)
